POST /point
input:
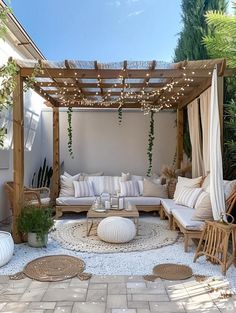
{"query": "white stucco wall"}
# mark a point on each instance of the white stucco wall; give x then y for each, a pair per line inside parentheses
(100, 144)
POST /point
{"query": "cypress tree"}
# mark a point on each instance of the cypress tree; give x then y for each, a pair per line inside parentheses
(190, 45)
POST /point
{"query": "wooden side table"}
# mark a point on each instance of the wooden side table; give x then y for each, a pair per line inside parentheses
(214, 244)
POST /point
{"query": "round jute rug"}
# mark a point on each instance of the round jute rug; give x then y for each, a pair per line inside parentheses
(72, 236)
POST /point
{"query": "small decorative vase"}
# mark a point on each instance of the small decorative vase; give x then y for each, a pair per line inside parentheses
(35, 242)
(6, 247)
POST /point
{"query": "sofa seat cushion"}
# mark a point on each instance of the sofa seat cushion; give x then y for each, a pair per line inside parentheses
(169, 205)
(184, 217)
(44, 201)
(142, 201)
(75, 201)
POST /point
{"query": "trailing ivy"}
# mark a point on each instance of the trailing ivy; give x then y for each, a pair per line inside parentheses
(4, 11)
(69, 132)
(120, 115)
(150, 142)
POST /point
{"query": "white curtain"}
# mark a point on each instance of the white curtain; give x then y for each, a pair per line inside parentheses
(194, 131)
(205, 102)
(216, 171)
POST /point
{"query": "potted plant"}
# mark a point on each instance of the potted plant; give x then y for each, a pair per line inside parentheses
(35, 223)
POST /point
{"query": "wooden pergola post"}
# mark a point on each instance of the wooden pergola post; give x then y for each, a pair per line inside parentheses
(180, 134)
(56, 155)
(18, 154)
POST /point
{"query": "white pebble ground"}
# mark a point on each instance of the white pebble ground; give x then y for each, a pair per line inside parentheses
(129, 263)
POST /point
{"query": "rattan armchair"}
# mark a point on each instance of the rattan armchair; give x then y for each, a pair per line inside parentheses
(31, 195)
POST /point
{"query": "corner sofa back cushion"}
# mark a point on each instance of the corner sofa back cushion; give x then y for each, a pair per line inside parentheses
(203, 208)
(151, 189)
(188, 196)
(186, 182)
(105, 184)
(67, 188)
(129, 188)
(83, 189)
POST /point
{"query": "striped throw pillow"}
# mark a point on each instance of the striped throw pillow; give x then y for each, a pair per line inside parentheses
(83, 189)
(186, 182)
(188, 196)
(129, 189)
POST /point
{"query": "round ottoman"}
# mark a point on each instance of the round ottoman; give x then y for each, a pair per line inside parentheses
(7, 247)
(116, 229)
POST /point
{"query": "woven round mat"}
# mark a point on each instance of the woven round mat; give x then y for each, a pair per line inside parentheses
(54, 268)
(172, 271)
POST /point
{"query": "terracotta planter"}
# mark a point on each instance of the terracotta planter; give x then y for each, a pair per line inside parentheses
(6, 247)
(35, 242)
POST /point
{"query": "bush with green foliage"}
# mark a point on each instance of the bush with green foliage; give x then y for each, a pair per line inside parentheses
(35, 220)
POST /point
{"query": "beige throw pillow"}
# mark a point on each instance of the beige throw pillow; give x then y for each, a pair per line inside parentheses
(151, 189)
(203, 208)
(186, 182)
(188, 196)
(66, 184)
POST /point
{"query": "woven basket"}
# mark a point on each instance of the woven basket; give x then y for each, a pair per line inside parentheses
(171, 185)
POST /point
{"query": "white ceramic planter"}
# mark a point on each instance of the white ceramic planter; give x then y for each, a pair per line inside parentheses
(35, 242)
(6, 247)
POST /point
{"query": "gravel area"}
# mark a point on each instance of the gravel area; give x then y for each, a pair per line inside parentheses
(128, 263)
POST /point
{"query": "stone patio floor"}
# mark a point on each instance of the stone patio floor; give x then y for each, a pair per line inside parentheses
(115, 294)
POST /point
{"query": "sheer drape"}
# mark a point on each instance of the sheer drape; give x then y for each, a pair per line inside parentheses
(205, 102)
(195, 131)
(216, 171)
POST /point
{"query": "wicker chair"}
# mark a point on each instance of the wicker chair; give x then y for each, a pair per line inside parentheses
(31, 195)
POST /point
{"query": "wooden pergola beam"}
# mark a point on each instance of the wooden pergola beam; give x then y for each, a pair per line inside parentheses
(114, 73)
(18, 155)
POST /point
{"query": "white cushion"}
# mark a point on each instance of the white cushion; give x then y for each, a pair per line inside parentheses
(98, 184)
(142, 201)
(184, 217)
(203, 208)
(129, 189)
(116, 229)
(44, 201)
(136, 177)
(75, 201)
(188, 196)
(140, 187)
(125, 176)
(229, 187)
(83, 189)
(186, 182)
(67, 187)
(151, 189)
(169, 205)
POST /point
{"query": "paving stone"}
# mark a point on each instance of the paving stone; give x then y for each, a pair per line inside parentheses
(33, 295)
(147, 291)
(38, 284)
(42, 305)
(12, 291)
(117, 289)
(10, 298)
(82, 307)
(226, 305)
(136, 285)
(138, 304)
(145, 297)
(63, 309)
(97, 286)
(123, 311)
(166, 307)
(96, 295)
(108, 279)
(143, 311)
(34, 311)
(59, 285)
(116, 302)
(16, 307)
(69, 294)
(2, 305)
(135, 278)
(78, 283)
(64, 303)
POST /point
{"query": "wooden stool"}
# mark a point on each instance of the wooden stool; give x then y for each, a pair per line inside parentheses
(214, 244)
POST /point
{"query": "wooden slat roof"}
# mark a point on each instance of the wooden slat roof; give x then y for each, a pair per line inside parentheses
(132, 84)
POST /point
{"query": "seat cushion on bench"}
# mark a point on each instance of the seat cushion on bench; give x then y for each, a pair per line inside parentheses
(142, 201)
(75, 201)
(169, 205)
(184, 217)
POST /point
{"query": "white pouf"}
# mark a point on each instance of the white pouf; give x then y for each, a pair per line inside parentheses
(116, 229)
(6, 247)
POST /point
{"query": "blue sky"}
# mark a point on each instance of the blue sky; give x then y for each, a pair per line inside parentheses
(103, 30)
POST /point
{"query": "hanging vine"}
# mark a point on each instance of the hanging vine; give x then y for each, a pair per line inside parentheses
(4, 11)
(69, 132)
(150, 143)
(120, 114)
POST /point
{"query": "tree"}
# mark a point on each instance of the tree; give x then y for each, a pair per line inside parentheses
(190, 45)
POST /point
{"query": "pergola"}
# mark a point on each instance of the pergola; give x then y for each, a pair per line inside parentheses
(149, 85)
